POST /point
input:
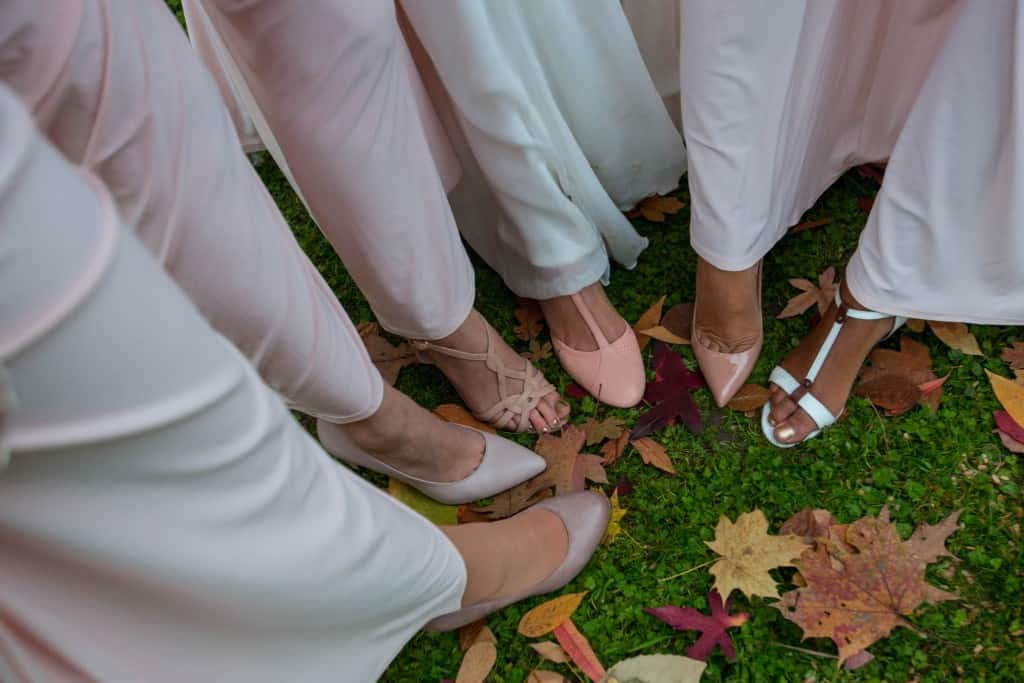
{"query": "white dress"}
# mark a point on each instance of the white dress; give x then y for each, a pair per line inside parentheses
(779, 99)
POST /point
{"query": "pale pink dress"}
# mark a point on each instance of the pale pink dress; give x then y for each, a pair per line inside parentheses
(162, 517)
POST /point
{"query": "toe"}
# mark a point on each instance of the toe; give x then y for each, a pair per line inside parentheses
(560, 407)
(796, 428)
(539, 423)
(782, 410)
(548, 415)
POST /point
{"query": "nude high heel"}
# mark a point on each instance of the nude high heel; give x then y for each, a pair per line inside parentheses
(614, 373)
(725, 373)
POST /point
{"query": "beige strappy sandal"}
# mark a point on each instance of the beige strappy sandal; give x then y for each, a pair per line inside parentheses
(512, 411)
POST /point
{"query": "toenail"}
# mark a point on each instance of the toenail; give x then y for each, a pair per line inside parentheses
(785, 434)
(556, 422)
(772, 421)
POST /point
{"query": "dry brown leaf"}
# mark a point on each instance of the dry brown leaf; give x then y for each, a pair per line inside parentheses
(538, 351)
(809, 523)
(477, 632)
(613, 450)
(678, 320)
(508, 503)
(895, 393)
(887, 381)
(915, 325)
(749, 553)
(653, 453)
(567, 469)
(655, 208)
(547, 616)
(459, 415)
(1010, 395)
(663, 334)
(810, 294)
(750, 397)
(599, 430)
(650, 318)
(956, 336)
(541, 676)
(856, 592)
(388, 359)
(1018, 376)
(809, 225)
(593, 469)
(1014, 355)
(477, 663)
(551, 651)
(531, 319)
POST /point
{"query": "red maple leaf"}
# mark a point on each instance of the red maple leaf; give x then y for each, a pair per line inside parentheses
(670, 394)
(713, 628)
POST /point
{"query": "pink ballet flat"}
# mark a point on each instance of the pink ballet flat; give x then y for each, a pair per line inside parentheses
(585, 516)
(614, 373)
(725, 373)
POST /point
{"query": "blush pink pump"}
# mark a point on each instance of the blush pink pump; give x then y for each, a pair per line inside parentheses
(614, 373)
(725, 373)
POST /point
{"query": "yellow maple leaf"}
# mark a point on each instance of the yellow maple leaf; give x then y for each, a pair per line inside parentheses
(614, 526)
(749, 553)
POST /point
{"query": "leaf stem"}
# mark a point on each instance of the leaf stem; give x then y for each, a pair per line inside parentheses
(691, 569)
(804, 650)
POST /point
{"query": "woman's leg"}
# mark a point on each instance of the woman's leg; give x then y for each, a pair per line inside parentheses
(336, 93)
(944, 239)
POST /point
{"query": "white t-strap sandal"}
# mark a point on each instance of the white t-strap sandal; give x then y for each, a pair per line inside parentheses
(800, 392)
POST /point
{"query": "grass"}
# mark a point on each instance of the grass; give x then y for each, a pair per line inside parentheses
(922, 465)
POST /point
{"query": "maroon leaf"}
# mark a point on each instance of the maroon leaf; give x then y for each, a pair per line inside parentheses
(680, 407)
(713, 628)
(672, 376)
(574, 390)
(1008, 426)
(623, 487)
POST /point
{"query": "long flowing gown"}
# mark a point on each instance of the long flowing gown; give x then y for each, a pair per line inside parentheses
(162, 518)
(779, 99)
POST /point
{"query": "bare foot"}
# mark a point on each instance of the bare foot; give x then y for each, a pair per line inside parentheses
(567, 324)
(496, 565)
(415, 441)
(835, 380)
(477, 384)
(728, 318)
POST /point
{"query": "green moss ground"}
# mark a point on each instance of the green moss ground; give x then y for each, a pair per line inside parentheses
(922, 465)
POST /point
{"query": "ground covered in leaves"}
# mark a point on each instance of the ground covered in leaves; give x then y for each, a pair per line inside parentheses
(919, 462)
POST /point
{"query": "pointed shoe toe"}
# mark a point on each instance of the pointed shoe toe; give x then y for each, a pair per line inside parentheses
(613, 374)
(504, 464)
(725, 373)
(585, 516)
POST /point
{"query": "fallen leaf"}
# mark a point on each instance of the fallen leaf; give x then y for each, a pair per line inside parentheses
(477, 632)
(915, 325)
(459, 415)
(599, 430)
(809, 523)
(653, 453)
(1018, 376)
(508, 503)
(613, 450)
(573, 390)
(956, 336)
(551, 651)
(810, 294)
(713, 628)
(467, 515)
(895, 393)
(538, 351)
(1014, 355)
(872, 171)
(477, 663)
(531, 319)
(657, 669)
(749, 397)
(579, 650)
(568, 469)
(542, 619)
(649, 318)
(862, 658)
(858, 591)
(1010, 443)
(931, 385)
(1010, 395)
(1007, 425)
(623, 487)
(438, 513)
(655, 208)
(809, 225)
(749, 553)
(663, 334)
(614, 526)
(865, 204)
(678, 320)
(539, 676)
(670, 392)
(388, 358)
